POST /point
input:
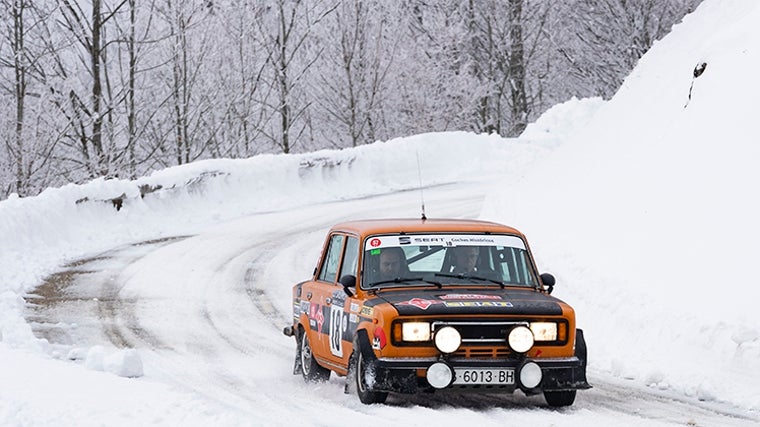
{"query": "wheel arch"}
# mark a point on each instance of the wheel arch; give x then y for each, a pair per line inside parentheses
(362, 342)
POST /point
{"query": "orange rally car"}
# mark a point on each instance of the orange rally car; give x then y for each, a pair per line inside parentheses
(415, 305)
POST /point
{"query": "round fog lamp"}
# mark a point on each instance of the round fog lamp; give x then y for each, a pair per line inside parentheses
(439, 375)
(520, 339)
(530, 375)
(447, 339)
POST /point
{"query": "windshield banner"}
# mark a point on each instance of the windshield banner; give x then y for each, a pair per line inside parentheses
(376, 242)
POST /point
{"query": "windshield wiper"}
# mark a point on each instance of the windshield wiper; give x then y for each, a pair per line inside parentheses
(465, 276)
(405, 281)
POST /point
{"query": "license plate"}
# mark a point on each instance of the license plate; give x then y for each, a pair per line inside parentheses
(484, 376)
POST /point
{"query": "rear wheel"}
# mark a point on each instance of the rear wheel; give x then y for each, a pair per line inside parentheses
(558, 399)
(310, 369)
(363, 373)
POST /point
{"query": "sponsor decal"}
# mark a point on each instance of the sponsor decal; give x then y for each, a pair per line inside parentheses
(478, 304)
(296, 309)
(375, 242)
(316, 314)
(366, 311)
(353, 318)
(404, 240)
(473, 240)
(469, 297)
(429, 239)
(354, 307)
(339, 296)
(420, 303)
(379, 340)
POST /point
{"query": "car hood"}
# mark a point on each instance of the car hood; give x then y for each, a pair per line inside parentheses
(469, 301)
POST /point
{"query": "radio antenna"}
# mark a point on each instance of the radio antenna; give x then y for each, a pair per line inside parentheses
(422, 195)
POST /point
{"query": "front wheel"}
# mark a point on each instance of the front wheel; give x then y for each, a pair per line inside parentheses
(558, 399)
(362, 374)
(310, 369)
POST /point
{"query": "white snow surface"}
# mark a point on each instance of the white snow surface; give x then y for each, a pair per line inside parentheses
(641, 206)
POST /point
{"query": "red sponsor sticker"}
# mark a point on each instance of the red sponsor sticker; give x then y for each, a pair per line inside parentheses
(316, 314)
(420, 303)
(374, 242)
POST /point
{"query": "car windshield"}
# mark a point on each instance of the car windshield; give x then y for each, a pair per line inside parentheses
(446, 259)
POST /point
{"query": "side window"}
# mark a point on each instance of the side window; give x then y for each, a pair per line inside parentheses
(330, 264)
(350, 257)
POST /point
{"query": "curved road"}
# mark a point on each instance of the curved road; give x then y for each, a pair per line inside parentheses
(206, 314)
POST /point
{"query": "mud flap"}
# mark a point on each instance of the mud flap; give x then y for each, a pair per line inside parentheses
(297, 363)
(581, 352)
(361, 341)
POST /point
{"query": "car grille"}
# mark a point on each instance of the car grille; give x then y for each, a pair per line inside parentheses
(481, 353)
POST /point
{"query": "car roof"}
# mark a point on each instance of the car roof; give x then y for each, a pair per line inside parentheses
(409, 225)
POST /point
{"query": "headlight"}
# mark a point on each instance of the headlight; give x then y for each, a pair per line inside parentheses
(544, 331)
(520, 339)
(415, 331)
(447, 339)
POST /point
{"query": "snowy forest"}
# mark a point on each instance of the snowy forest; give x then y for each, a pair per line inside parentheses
(119, 88)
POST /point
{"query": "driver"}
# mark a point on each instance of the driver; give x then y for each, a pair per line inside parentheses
(392, 263)
(465, 259)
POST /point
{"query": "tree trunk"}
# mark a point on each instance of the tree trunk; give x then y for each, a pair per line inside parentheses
(131, 113)
(284, 87)
(100, 168)
(517, 70)
(20, 93)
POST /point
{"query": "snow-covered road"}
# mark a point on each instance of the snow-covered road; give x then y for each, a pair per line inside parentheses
(206, 312)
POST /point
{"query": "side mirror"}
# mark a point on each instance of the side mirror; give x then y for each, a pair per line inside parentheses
(548, 280)
(348, 281)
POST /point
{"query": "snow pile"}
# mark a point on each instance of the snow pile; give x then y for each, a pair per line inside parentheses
(649, 216)
(567, 118)
(124, 363)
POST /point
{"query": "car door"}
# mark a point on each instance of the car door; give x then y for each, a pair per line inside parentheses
(344, 309)
(320, 292)
(331, 308)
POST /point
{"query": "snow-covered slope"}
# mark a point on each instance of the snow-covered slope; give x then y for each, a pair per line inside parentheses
(656, 197)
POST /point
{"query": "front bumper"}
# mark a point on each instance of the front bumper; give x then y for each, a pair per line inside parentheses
(403, 375)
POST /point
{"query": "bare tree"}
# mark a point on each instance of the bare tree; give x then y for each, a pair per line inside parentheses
(28, 142)
(20, 71)
(89, 107)
(516, 70)
(353, 73)
(188, 79)
(241, 68)
(286, 29)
